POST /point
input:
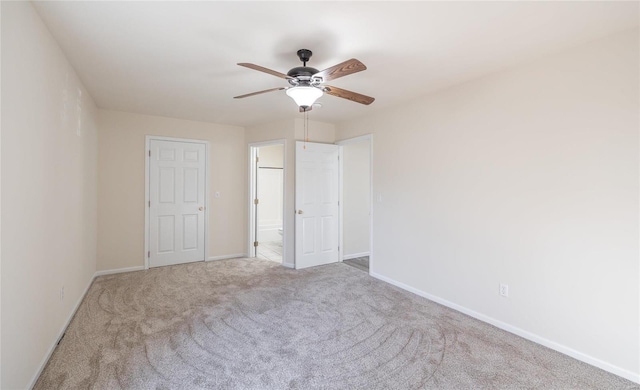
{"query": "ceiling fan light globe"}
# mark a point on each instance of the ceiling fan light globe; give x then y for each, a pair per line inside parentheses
(304, 96)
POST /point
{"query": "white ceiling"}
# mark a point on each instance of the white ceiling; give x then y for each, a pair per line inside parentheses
(178, 59)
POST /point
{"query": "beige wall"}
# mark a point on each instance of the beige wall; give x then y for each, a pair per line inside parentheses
(49, 193)
(271, 156)
(317, 131)
(528, 177)
(121, 164)
(356, 195)
(290, 131)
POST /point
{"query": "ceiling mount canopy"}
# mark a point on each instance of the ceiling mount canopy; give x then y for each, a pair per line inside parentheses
(307, 82)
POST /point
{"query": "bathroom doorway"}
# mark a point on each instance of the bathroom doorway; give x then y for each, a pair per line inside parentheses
(267, 201)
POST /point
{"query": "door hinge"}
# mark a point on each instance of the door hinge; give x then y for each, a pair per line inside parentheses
(149, 203)
(149, 152)
(257, 159)
(148, 253)
(255, 243)
(256, 201)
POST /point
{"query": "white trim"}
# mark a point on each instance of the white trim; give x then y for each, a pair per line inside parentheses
(289, 265)
(362, 138)
(253, 146)
(147, 148)
(118, 271)
(251, 225)
(340, 203)
(355, 255)
(147, 140)
(517, 331)
(224, 257)
(62, 331)
(285, 224)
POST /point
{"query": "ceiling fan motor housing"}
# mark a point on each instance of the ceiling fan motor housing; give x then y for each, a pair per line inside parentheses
(302, 74)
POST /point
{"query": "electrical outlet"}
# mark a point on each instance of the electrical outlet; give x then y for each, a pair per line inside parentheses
(62, 294)
(504, 290)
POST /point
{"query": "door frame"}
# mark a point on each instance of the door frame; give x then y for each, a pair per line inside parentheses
(362, 138)
(147, 224)
(251, 225)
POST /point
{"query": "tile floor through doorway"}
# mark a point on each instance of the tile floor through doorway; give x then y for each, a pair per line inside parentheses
(361, 263)
(270, 250)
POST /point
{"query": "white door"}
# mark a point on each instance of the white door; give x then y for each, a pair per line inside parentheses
(176, 202)
(317, 208)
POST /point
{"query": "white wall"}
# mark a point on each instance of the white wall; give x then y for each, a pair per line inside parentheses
(270, 188)
(49, 192)
(270, 192)
(356, 197)
(121, 184)
(527, 177)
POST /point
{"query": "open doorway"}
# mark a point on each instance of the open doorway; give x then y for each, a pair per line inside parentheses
(267, 201)
(357, 202)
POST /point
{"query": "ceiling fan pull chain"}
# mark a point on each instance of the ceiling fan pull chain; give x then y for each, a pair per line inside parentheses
(306, 128)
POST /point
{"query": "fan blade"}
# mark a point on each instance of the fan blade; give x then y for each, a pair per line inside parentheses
(258, 93)
(343, 69)
(265, 70)
(343, 93)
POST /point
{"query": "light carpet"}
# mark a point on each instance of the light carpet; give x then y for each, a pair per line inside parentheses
(253, 324)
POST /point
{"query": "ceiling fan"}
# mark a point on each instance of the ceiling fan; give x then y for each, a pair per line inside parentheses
(307, 83)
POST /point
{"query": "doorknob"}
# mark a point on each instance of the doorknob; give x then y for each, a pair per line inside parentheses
(299, 211)
(200, 208)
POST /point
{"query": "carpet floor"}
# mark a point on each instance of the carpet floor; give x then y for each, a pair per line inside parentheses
(253, 324)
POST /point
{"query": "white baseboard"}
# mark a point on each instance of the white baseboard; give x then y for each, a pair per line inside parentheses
(288, 265)
(53, 346)
(224, 257)
(517, 331)
(353, 256)
(118, 271)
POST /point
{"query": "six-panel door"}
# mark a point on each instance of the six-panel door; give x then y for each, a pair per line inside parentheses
(177, 200)
(317, 210)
